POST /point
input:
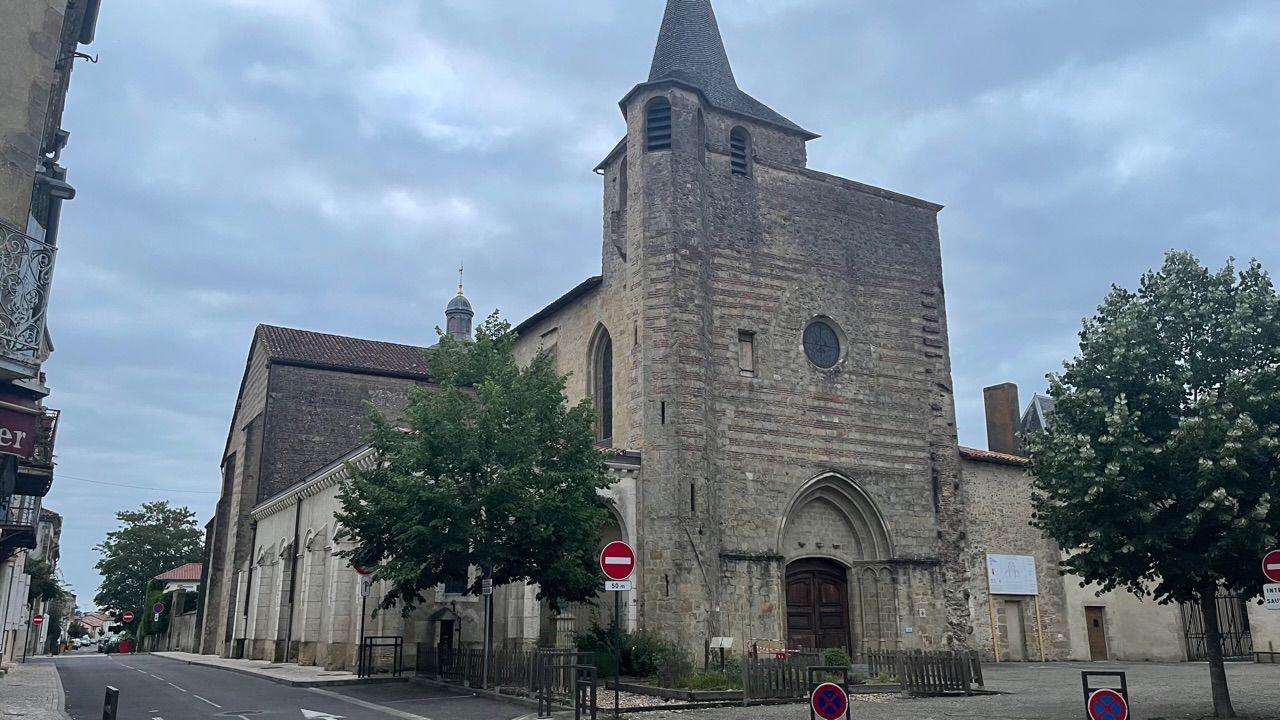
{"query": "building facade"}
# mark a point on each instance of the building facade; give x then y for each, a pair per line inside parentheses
(39, 45)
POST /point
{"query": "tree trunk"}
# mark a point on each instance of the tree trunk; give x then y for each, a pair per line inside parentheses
(1213, 644)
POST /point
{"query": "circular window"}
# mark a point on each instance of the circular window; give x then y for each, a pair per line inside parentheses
(822, 344)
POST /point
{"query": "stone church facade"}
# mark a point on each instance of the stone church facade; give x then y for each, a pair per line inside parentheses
(779, 360)
(767, 350)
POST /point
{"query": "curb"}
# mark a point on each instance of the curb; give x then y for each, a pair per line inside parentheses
(62, 694)
(513, 699)
(290, 683)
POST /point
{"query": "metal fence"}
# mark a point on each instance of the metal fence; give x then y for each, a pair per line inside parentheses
(524, 671)
(928, 673)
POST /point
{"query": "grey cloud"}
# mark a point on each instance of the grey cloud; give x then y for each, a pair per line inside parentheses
(328, 165)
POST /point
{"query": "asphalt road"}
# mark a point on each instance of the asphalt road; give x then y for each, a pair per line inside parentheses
(154, 688)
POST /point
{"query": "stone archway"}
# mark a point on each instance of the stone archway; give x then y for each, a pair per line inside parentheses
(830, 535)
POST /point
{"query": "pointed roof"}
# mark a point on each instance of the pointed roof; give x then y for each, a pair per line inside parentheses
(690, 51)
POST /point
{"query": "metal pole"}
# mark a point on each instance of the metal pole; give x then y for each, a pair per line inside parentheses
(364, 599)
(110, 704)
(26, 636)
(1039, 629)
(488, 639)
(991, 610)
(617, 650)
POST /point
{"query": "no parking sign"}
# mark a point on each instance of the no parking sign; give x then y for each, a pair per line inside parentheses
(829, 701)
(1107, 704)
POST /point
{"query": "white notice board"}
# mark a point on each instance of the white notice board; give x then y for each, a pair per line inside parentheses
(1012, 575)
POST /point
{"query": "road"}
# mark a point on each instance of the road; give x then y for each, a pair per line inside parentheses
(153, 688)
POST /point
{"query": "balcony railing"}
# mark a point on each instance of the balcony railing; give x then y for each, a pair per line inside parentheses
(26, 270)
(35, 476)
(19, 520)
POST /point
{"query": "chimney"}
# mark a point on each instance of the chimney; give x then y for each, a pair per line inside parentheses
(1002, 418)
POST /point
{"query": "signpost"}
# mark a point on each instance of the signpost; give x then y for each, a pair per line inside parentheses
(829, 701)
(617, 562)
(366, 584)
(1271, 566)
(1106, 695)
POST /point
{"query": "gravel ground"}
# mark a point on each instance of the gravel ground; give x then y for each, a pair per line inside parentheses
(1048, 692)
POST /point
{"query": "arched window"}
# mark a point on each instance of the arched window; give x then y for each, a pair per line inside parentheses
(657, 125)
(602, 384)
(740, 151)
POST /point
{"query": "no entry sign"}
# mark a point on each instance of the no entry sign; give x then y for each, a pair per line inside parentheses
(1271, 566)
(617, 560)
(1107, 704)
(37, 619)
(128, 616)
(829, 701)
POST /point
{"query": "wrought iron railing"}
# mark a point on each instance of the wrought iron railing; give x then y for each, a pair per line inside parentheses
(22, 512)
(26, 270)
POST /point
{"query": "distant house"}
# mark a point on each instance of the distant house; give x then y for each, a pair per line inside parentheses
(184, 577)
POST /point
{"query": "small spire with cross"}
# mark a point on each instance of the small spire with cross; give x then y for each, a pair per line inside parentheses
(460, 266)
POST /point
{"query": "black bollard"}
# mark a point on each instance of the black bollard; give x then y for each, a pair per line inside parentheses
(110, 704)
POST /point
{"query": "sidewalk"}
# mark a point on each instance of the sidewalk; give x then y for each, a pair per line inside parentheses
(304, 676)
(32, 690)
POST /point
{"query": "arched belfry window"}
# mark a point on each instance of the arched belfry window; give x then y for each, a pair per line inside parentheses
(740, 151)
(602, 384)
(657, 125)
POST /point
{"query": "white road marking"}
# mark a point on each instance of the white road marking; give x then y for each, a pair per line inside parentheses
(207, 701)
(449, 697)
(175, 687)
(368, 705)
(157, 677)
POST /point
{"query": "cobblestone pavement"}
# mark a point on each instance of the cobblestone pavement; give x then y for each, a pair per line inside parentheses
(31, 690)
(1050, 692)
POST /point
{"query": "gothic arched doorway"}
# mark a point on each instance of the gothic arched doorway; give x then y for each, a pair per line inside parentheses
(817, 604)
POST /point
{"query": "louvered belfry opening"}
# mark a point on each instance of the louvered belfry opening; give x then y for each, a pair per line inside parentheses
(657, 125)
(739, 158)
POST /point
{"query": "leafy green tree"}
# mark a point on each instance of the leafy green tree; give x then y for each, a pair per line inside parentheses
(152, 539)
(1158, 468)
(494, 471)
(77, 630)
(44, 582)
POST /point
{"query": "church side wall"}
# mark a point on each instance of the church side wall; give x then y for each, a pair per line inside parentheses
(317, 416)
(232, 535)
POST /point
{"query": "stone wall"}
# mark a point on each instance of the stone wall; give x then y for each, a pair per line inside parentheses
(997, 504)
(29, 44)
(318, 415)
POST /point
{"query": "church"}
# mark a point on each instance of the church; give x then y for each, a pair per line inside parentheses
(766, 347)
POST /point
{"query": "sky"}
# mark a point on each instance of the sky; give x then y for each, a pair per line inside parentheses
(327, 164)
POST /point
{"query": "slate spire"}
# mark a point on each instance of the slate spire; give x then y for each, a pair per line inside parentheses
(690, 51)
(690, 47)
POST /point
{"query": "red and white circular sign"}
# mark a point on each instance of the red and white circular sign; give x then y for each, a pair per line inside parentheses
(363, 572)
(128, 616)
(617, 560)
(1107, 704)
(1271, 566)
(37, 619)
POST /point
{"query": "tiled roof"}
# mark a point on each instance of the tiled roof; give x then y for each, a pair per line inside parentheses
(691, 51)
(583, 288)
(190, 571)
(999, 458)
(303, 347)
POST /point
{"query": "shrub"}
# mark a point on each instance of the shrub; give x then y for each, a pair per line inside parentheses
(644, 654)
(711, 680)
(836, 657)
